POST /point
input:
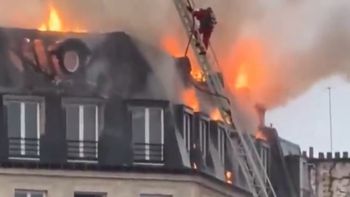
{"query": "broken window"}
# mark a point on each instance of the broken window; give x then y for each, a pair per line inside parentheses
(147, 125)
(26, 193)
(24, 125)
(83, 122)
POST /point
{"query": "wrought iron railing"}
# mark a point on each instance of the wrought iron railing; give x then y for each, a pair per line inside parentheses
(24, 147)
(82, 150)
(148, 153)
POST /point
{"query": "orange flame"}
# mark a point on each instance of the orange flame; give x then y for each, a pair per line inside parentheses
(242, 80)
(228, 177)
(216, 115)
(54, 23)
(172, 45)
(189, 97)
(259, 135)
(244, 65)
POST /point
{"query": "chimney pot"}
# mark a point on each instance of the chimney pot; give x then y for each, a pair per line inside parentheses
(304, 154)
(320, 155)
(329, 155)
(337, 155)
(345, 155)
(311, 152)
(261, 110)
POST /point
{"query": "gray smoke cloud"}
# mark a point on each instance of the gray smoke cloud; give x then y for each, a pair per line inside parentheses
(306, 40)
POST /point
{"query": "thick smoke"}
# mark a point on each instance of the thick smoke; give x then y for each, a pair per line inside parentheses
(304, 41)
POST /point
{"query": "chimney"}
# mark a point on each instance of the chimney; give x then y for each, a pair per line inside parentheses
(337, 155)
(329, 155)
(261, 110)
(311, 152)
(321, 155)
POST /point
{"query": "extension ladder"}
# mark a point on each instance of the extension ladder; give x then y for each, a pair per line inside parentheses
(243, 146)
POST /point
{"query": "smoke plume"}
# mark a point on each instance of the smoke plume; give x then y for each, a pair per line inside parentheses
(298, 42)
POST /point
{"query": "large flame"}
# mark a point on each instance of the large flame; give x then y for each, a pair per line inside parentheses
(171, 44)
(243, 67)
(216, 115)
(54, 23)
(189, 97)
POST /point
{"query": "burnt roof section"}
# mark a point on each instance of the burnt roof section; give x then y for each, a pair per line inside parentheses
(114, 65)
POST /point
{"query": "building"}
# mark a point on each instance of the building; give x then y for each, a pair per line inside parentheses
(88, 115)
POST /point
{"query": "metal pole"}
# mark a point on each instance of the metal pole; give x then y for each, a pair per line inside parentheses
(330, 117)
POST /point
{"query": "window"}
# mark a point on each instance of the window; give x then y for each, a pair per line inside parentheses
(203, 136)
(24, 193)
(25, 123)
(148, 134)
(86, 194)
(222, 143)
(264, 155)
(155, 195)
(187, 129)
(83, 122)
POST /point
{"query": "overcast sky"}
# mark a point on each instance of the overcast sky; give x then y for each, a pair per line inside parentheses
(305, 120)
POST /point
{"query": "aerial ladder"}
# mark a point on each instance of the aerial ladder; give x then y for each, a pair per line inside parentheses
(257, 179)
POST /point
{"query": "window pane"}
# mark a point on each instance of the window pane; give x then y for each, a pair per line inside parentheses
(89, 195)
(156, 126)
(31, 120)
(20, 194)
(156, 134)
(138, 132)
(138, 125)
(72, 130)
(90, 131)
(90, 123)
(37, 195)
(72, 122)
(13, 120)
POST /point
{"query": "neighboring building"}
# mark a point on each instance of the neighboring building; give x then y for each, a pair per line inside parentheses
(90, 116)
(330, 175)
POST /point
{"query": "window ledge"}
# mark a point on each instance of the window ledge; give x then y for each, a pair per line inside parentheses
(25, 158)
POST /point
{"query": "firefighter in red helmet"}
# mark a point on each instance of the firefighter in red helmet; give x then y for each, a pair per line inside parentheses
(207, 21)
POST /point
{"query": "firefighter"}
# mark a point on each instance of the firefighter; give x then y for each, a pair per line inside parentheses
(207, 21)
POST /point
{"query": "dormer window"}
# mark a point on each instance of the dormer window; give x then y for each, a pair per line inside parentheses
(25, 123)
(147, 125)
(83, 122)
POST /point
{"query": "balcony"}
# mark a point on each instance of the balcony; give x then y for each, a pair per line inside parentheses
(82, 150)
(24, 148)
(148, 153)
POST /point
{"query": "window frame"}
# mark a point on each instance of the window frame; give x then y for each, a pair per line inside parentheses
(147, 133)
(100, 194)
(22, 100)
(81, 103)
(204, 135)
(222, 141)
(29, 193)
(187, 127)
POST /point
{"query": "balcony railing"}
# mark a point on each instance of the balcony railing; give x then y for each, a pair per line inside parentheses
(148, 153)
(24, 147)
(82, 150)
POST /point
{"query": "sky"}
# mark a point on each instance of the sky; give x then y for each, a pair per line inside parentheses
(305, 120)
